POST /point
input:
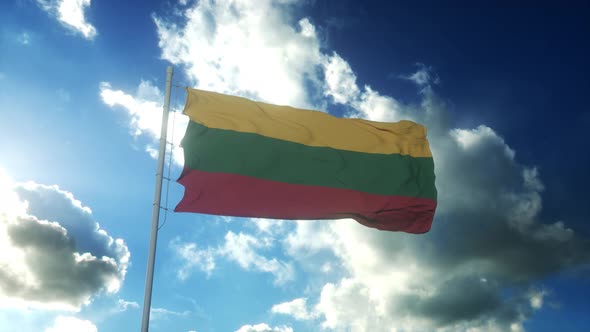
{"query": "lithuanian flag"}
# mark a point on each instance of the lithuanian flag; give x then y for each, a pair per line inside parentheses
(251, 159)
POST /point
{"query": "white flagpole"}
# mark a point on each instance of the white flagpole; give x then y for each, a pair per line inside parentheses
(149, 278)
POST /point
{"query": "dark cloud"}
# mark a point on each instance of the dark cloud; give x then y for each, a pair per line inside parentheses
(66, 257)
(488, 242)
(488, 238)
(450, 305)
(481, 263)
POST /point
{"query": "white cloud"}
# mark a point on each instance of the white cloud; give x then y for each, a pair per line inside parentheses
(374, 106)
(473, 139)
(53, 254)
(298, 244)
(70, 13)
(144, 110)
(296, 308)
(241, 248)
(340, 80)
(262, 327)
(244, 48)
(349, 305)
(71, 324)
(193, 258)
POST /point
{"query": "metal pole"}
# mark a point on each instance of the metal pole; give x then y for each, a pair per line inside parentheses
(149, 278)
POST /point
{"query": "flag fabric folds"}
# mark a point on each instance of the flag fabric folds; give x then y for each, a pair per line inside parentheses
(252, 159)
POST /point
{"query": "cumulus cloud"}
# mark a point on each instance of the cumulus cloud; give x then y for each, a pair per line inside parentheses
(487, 238)
(70, 13)
(244, 48)
(262, 327)
(71, 324)
(53, 254)
(348, 305)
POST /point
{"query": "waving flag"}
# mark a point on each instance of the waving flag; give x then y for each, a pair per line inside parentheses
(252, 159)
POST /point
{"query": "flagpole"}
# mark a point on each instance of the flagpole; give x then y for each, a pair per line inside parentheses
(149, 278)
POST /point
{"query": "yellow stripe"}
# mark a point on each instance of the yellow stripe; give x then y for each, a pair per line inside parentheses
(312, 128)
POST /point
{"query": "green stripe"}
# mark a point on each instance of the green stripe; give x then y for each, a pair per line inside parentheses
(227, 151)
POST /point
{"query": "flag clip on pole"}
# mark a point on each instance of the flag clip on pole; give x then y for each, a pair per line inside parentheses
(149, 278)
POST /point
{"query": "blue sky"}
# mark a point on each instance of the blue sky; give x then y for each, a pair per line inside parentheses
(502, 90)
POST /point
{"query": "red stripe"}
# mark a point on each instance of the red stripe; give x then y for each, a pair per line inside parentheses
(243, 196)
